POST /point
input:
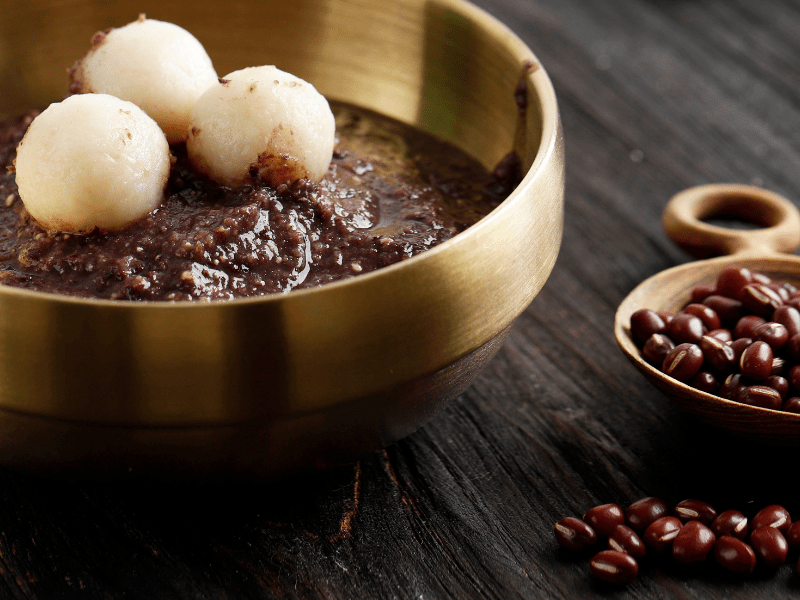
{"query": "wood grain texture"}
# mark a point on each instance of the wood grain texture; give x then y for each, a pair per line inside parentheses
(655, 96)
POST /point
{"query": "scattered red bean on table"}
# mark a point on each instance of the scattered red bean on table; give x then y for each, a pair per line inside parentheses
(738, 338)
(604, 518)
(692, 533)
(770, 546)
(734, 555)
(693, 543)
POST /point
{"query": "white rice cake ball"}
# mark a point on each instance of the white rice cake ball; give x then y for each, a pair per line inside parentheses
(92, 161)
(265, 119)
(158, 66)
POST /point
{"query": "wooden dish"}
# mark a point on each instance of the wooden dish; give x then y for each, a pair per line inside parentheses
(269, 386)
(759, 250)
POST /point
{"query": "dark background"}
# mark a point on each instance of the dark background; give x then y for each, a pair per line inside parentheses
(655, 96)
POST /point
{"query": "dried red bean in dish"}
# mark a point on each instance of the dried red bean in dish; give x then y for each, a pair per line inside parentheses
(708, 316)
(746, 326)
(701, 292)
(683, 362)
(656, 349)
(646, 322)
(705, 382)
(717, 355)
(721, 334)
(774, 334)
(685, 328)
(761, 395)
(757, 342)
(789, 317)
(729, 310)
(732, 280)
(756, 361)
(791, 405)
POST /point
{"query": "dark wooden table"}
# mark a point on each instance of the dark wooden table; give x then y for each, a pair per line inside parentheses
(655, 96)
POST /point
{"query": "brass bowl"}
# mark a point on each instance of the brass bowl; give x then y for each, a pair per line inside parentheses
(268, 386)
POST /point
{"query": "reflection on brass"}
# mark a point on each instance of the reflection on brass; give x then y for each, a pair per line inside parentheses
(265, 386)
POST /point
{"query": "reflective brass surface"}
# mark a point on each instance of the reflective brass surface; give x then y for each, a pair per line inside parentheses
(265, 386)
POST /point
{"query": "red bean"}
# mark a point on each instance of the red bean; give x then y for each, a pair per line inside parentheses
(693, 543)
(724, 335)
(773, 515)
(734, 555)
(732, 280)
(701, 292)
(779, 384)
(660, 534)
(770, 546)
(792, 348)
(794, 378)
(761, 396)
(573, 534)
(760, 299)
(624, 539)
(793, 535)
(717, 355)
(707, 315)
(684, 362)
(685, 328)
(791, 405)
(728, 309)
(756, 361)
(604, 518)
(705, 382)
(732, 387)
(695, 510)
(641, 513)
(778, 365)
(762, 278)
(666, 316)
(779, 288)
(656, 348)
(774, 334)
(746, 326)
(789, 317)
(614, 567)
(732, 523)
(646, 322)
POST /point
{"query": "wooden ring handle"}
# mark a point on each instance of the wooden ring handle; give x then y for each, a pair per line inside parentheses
(777, 217)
